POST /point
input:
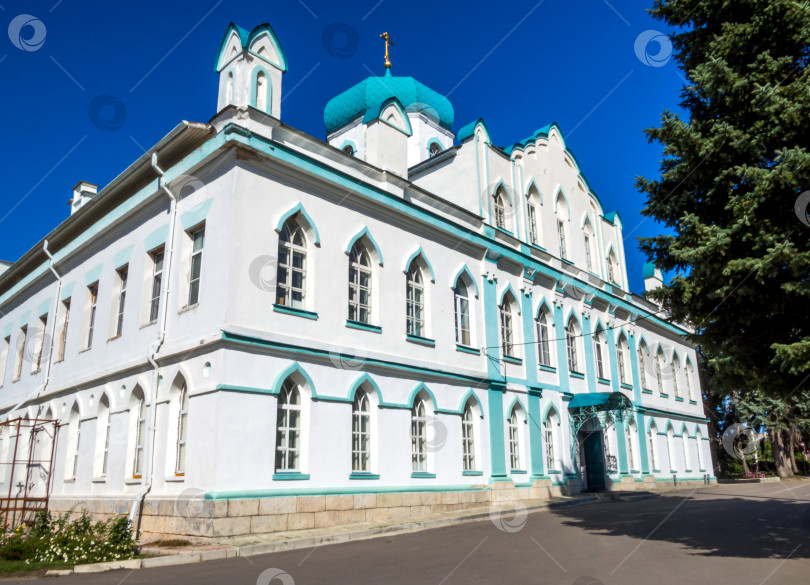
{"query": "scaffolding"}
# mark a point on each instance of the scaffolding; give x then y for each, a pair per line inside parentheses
(26, 465)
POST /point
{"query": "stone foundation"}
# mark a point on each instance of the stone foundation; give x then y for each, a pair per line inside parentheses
(199, 520)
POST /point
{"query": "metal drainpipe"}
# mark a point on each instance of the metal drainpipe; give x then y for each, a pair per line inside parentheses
(154, 347)
(42, 388)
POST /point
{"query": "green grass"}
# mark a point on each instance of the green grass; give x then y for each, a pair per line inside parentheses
(7, 567)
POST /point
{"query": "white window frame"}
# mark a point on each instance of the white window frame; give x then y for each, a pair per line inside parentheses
(360, 264)
(513, 424)
(140, 438)
(415, 301)
(158, 258)
(39, 349)
(572, 350)
(361, 439)
(544, 353)
(123, 275)
(468, 443)
(419, 448)
(22, 340)
(92, 309)
(60, 356)
(563, 240)
(531, 214)
(4, 351)
(197, 236)
(507, 319)
(292, 263)
(499, 210)
(181, 450)
(461, 304)
(287, 458)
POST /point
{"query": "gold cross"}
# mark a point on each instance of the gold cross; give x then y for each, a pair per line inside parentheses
(388, 42)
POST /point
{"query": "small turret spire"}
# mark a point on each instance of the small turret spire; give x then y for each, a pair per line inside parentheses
(388, 42)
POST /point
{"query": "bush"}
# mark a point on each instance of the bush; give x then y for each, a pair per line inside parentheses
(70, 539)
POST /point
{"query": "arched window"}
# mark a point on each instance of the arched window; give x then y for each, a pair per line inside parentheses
(699, 441)
(434, 149)
(348, 149)
(549, 432)
(288, 427)
(140, 432)
(688, 379)
(359, 284)
(415, 301)
(671, 449)
(229, 89)
(419, 455)
(515, 420)
(659, 370)
(182, 431)
(600, 352)
(361, 432)
(631, 432)
(562, 219)
(499, 209)
(103, 427)
(687, 461)
(613, 268)
(643, 356)
(651, 437)
(676, 371)
(622, 359)
(292, 266)
(75, 438)
(507, 327)
(261, 91)
(543, 323)
(587, 231)
(468, 438)
(461, 303)
(532, 205)
(571, 335)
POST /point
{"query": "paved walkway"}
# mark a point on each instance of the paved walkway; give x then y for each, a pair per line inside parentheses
(735, 534)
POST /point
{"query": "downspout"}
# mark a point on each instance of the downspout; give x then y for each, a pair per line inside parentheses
(154, 348)
(36, 393)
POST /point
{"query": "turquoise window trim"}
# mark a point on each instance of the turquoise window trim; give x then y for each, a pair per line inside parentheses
(554, 472)
(567, 261)
(678, 399)
(466, 349)
(505, 231)
(353, 490)
(363, 326)
(349, 143)
(513, 360)
(294, 368)
(625, 386)
(25, 318)
(295, 312)
(93, 275)
(603, 381)
(465, 270)
(291, 476)
(363, 475)
(299, 208)
(433, 140)
(44, 307)
(645, 391)
(365, 233)
(551, 369)
(122, 257)
(422, 387)
(536, 247)
(472, 473)
(420, 252)
(245, 389)
(692, 402)
(422, 475)
(578, 375)
(518, 471)
(466, 398)
(196, 215)
(157, 238)
(420, 340)
(364, 379)
(67, 291)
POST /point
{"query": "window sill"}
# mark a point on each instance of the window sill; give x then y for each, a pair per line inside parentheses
(577, 375)
(538, 247)
(467, 349)
(504, 231)
(678, 399)
(175, 479)
(37, 371)
(603, 380)
(69, 480)
(566, 261)
(518, 471)
(513, 360)
(423, 475)
(295, 312)
(113, 338)
(363, 326)
(133, 481)
(656, 471)
(85, 349)
(626, 386)
(662, 395)
(554, 472)
(687, 471)
(673, 471)
(145, 325)
(634, 471)
(102, 479)
(645, 391)
(188, 308)
(551, 369)
(472, 473)
(363, 475)
(692, 402)
(420, 340)
(289, 476)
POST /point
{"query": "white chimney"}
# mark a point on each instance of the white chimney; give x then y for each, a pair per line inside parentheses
(82, 193)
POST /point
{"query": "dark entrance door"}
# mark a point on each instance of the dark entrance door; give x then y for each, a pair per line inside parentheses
(594, 462)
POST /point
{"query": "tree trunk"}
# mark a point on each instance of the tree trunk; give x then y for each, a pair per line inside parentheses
(742, 457)
(792, 445)
(779, 454)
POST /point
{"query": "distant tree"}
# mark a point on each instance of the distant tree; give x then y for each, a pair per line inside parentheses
(732, 171)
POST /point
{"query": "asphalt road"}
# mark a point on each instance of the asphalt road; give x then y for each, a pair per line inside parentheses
(736, 535)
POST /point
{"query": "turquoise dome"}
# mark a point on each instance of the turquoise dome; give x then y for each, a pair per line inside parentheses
(368, 96)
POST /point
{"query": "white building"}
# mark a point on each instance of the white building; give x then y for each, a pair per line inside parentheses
(288, 332)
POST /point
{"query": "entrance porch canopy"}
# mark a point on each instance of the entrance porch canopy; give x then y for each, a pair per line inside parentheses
(605, 407)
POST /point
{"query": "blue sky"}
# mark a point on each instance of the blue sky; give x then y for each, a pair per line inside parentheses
(517, 65)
